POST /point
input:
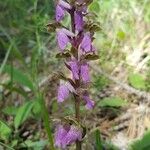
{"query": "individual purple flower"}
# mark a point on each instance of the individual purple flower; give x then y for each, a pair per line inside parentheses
(84, 71)
(63, 93)
(78, 20)
(89, 103)
(63, 37)
(59, 135)
(66, 135)
(86, 43)
(61, 7)
(60, 13)
(74, 68)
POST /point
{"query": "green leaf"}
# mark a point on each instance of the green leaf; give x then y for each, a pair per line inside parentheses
(142, 144)
(10, 110)
(5, 130)
(22, 114)
(37, 145)
(112, 102)
(99, 145)
(94, 6)
(37, 107)
(19, 76)
(137, 81)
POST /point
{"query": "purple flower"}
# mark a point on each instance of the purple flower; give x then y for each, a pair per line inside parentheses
(86, 43)
(60, 13)
(61, 7)
(63, 37)
(59, 135)
(78, 20)
(63, 93)
(74, 69)
(65, 135)
(89, 103)
(84, 71)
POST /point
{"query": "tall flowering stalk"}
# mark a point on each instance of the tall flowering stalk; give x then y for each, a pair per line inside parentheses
(78, 37)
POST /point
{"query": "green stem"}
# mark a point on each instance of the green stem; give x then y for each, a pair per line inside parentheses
(77, 115)
(4, 145)
(47, 123)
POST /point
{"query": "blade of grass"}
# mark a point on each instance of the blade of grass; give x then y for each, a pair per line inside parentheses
(98, 140)
(4, 145)
(6, 57)
(47, 122)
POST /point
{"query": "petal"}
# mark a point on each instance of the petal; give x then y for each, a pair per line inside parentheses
(63, 93)
(89, 103)
(84, 70)
(60, 133)
(79, 20)
(86, 43)
(60, 13)
(62, 39)
(74, 68)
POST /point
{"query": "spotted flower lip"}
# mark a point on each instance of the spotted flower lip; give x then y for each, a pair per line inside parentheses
(63, 93)
(66, 135)
(60, 13)
(84, 71)
(79, 23)
(86, 43)
(89, 102)
(74, 68)
(63, 37)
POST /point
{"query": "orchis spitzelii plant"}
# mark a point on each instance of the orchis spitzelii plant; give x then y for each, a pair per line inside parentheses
(79, 36)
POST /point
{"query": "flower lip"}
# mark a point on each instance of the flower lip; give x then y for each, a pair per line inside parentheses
(86, 43)
(84, 71)
(79, 23)
(74, 67)
(63, 93)
(89, 102)
(62, 39)
(60, 13)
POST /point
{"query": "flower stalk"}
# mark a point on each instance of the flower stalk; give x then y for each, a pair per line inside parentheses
(79, 37)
